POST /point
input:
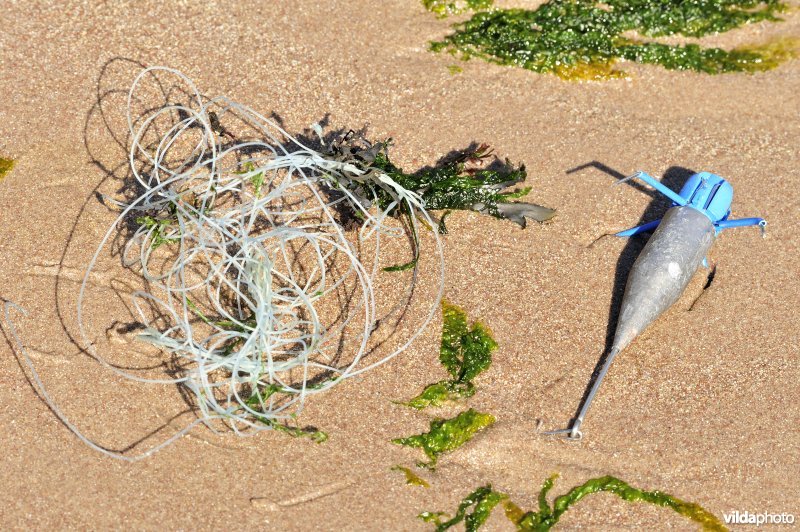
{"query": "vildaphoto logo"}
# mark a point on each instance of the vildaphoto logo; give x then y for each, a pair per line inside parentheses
(757, 519)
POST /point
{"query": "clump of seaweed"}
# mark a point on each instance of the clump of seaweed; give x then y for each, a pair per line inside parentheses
(464, 182)
(465, 353)
(484, 499)
(6, 165)
(447, 435)
(583, 39)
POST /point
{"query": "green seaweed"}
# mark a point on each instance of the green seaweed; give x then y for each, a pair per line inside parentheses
(439, 393)
(465, 353)
(412, 478)
(6, 165)
(548, 516)
(459, 183)
(770, 54)
(402, 267)
(443, 8)
(257, 401)
(159, 227)
(484, 499)
(583, 39)
(447, 435)
(256, 178)
(317, 436)
(312, 433)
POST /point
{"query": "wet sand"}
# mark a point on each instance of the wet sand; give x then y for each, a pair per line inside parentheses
(703, 406)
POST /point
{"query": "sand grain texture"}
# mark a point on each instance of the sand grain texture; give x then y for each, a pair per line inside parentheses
(703, 406)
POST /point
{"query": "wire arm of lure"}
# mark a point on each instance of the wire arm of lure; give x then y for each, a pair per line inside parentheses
(639, 229)
(573, 432)
(649, 226)
(656, 184)
(742, 222)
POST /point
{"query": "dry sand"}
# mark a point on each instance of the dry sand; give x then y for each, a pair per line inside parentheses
(703, 406)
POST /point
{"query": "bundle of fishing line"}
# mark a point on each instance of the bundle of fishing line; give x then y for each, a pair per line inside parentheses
(254, 290)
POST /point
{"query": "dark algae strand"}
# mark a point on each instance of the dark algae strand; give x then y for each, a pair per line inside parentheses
(582, 39)
(472, 180)
(484, 499)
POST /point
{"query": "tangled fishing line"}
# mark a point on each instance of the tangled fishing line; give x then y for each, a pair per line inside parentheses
(261, 257)
(255, 290)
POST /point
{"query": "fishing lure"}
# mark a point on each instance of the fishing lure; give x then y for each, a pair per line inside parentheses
(668, 261)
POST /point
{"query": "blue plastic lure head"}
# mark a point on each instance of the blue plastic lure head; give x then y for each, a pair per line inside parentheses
(709, 194)
(705, 192)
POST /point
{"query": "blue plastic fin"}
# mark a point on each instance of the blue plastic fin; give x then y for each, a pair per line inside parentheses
(656, 184)
(742, 222)
(649, 226)
(705, 262)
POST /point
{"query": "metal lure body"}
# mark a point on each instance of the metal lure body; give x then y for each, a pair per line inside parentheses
(668, 261)
(662, 270)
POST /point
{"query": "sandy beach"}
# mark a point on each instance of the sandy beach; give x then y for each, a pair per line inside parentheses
(704, 405)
